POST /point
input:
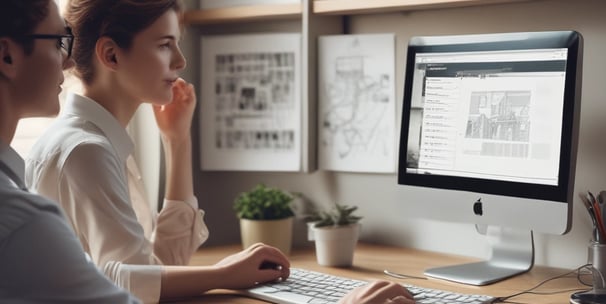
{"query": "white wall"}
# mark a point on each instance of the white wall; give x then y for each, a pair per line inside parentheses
(148, 152)
(391, 212)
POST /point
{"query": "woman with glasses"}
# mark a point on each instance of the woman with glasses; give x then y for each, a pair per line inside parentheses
(41, 260)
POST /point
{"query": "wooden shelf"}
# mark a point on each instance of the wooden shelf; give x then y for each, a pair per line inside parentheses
(244, 13)
(348, 7)
(323, 7)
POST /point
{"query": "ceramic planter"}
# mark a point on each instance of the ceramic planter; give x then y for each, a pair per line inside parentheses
(335, 245)
(277, 233)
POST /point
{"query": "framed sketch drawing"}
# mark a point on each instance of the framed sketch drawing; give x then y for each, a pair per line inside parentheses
(250, 113)
(357, 109)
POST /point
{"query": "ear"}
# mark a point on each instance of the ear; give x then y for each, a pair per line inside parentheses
(10, 55)
(106, 51)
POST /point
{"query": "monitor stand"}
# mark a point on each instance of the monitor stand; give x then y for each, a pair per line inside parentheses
(512, 254)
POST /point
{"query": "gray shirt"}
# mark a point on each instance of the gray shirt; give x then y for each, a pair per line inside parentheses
(41, 260)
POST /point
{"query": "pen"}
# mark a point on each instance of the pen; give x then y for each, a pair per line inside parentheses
(598, 214)
(596, 233)
(602, 201)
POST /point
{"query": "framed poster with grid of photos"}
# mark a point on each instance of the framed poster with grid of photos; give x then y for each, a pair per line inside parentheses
(250, 112)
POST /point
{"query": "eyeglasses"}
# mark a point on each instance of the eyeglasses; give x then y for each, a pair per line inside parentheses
(65, 41)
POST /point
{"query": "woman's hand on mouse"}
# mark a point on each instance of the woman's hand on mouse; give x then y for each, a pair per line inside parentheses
(255, 265)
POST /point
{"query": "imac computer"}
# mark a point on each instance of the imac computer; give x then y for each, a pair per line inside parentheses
(490, 124)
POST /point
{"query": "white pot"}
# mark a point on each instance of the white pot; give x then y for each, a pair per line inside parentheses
(276, 233)
(335, 245)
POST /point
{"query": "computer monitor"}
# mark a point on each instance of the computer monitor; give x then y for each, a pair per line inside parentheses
(490, 123)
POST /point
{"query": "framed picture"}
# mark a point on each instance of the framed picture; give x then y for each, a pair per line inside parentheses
(250, 113)
(357, 109)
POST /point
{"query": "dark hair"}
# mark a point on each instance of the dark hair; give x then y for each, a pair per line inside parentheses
(119, 20)
(19, 18)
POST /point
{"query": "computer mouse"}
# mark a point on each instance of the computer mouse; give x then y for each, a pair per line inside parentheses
(270, 265)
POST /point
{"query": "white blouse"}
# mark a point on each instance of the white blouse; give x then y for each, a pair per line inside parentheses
(84, 162)
(41, 260)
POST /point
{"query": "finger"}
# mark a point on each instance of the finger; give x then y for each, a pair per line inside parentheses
(270, 250)
(274, 263)
(180, 85)
(400, 300)
(268, 275)
(254, 246)
(402, 291)
(180, 82)
(274, 257)
(191, 93)
(183, 92)
(185, 87)
(396, 290)
(388, 290)
(178, 89)
(375, 286)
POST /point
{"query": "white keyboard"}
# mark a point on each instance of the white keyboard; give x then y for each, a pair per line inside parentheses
(310, 287)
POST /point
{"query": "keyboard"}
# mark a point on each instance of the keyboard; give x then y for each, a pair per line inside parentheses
(310, 287)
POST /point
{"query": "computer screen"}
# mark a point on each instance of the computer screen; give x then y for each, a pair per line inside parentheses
(490, 122)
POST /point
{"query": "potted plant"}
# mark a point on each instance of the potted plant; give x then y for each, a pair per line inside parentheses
(265, 216)
(335, 233)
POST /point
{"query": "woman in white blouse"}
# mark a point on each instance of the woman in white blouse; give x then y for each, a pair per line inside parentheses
(127, 53)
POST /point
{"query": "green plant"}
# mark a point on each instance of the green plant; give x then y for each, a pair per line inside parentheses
(263, 203)
(338, 215)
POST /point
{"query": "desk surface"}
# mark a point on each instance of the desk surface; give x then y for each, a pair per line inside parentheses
(371, 260)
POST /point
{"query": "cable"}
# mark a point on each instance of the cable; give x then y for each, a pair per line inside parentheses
(589, 268)
(402, 276)
(531, 290)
